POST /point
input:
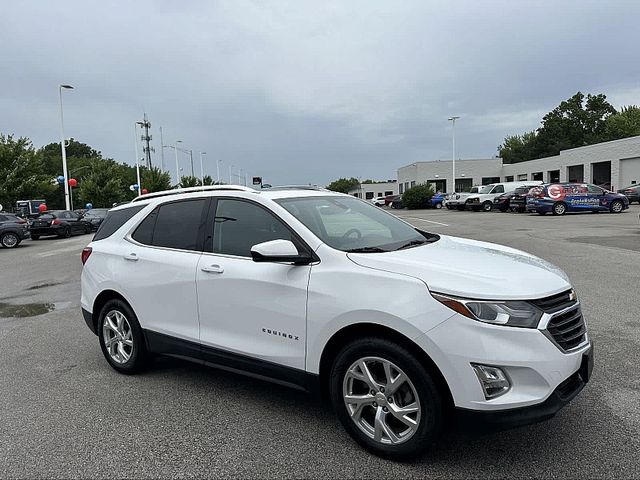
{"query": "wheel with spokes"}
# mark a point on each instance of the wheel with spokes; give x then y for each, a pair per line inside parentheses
(385, 398)
(121, 337)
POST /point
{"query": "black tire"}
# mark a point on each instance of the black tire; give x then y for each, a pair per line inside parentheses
(431, 418)
(66, 233)
(87, 229)
(616, 206)
(139, 356)
(503, 209)
(9, 240)
(487, 206)
(559, 208)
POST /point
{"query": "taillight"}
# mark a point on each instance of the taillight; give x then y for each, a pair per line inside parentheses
(56, 222)
(86, 252)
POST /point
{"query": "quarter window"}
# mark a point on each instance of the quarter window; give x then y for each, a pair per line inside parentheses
(114, 220)
(240, 225)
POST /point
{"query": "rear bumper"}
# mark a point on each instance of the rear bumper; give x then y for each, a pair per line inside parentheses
(515, 417)
(88, 319)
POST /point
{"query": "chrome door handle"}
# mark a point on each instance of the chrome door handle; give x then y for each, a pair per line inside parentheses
(131, 257)
(212, 269)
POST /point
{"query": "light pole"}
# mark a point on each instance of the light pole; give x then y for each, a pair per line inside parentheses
(135, 142)
(64, 150)
(453, 140)
(230, 167)
(161, 151)
(202, 168)
(218, 170)
(177, 166)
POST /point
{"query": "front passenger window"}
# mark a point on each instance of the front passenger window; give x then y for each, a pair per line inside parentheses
(240, 225)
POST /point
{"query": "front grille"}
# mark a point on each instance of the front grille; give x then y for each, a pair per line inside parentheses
(556, 302)
(568, 329)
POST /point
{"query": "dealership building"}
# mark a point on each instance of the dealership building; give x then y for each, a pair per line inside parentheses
(614, 165)
(369, 191)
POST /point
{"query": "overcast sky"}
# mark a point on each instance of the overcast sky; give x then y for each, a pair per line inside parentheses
(308, 91)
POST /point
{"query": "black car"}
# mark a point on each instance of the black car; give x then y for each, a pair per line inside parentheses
(632, 192)
(95, 216)
(397, 202)
(13, 230)
(516, 200)
(62, 223)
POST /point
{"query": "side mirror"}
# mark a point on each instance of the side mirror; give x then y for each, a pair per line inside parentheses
(279, 251)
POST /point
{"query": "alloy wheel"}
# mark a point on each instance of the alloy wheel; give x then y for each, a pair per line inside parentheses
(9, 240)
(117, 336)
(381, 400)
(616, 207)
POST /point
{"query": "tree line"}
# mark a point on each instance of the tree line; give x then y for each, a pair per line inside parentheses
(30, 173)
(578, 121)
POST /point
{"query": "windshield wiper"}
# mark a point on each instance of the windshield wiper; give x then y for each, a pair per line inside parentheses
(413, 243)
(366, 250)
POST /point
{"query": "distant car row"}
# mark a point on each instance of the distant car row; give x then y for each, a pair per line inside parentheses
(61, 223)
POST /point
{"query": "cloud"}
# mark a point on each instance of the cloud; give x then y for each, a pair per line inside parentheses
(301, 91)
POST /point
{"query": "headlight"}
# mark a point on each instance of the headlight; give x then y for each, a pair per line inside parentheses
(513, 313)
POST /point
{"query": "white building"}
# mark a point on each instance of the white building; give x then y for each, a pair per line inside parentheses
(375, 190)
(613, 164)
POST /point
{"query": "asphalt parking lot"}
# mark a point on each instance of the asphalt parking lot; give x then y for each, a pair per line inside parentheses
(65, 413)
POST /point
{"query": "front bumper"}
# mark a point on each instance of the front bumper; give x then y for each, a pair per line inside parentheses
(516, 417)
(534, 364)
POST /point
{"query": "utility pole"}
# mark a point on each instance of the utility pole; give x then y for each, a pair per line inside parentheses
(161, 151)
(453, 141)
(146, 138)
(191, 156)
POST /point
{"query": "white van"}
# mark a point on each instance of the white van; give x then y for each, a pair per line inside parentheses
(483, 200)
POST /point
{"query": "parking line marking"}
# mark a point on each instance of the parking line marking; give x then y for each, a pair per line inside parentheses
(59, 250)
(430, 221)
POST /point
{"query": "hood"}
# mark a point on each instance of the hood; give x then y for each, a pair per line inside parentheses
(472, 269)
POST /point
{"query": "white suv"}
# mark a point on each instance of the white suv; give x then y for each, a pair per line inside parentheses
(402, 329)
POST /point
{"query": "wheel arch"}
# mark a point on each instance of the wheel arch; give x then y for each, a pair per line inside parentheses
(99, 302)
(345, 335)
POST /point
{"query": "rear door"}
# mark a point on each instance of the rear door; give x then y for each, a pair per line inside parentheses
(158, 265)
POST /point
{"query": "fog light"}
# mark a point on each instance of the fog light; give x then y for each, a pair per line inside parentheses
(493, 380)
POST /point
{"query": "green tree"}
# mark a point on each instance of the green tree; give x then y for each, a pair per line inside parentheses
(102, 186)
(623, 124)
(517, 148)
(155, 180)
(189, 181)
(343, 185)
(418, 196)
(21, 169)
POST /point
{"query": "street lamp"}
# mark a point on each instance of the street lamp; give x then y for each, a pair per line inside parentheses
(64, 150)
(230, 168)
(177, 166)
(218, 170)
(453, 137)
(202, 168)
(135, 142)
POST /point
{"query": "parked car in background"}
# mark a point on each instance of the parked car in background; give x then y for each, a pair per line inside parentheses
(13, 230)
(439, 200)
(95, 216)
(378, 201)
(560, 198)
(515, 200)
(389, 199)
(457, 200)
(28, 208)
(62, 223)
(483, 200)
(397, 202)
(632, 192)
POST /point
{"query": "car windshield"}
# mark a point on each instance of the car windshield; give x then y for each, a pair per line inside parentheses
(351, 225)
(522, 189)
(485, 189)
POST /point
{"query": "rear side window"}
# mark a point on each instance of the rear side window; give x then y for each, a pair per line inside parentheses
(114, 220)
(173, 225)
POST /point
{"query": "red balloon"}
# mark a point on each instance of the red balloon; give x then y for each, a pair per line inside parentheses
(145, 191)
(73, 182)
(42, 208)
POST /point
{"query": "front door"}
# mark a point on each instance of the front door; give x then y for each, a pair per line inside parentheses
(257, 310)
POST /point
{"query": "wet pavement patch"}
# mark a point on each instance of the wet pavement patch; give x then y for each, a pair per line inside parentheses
(44, 285)
(8, 310)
